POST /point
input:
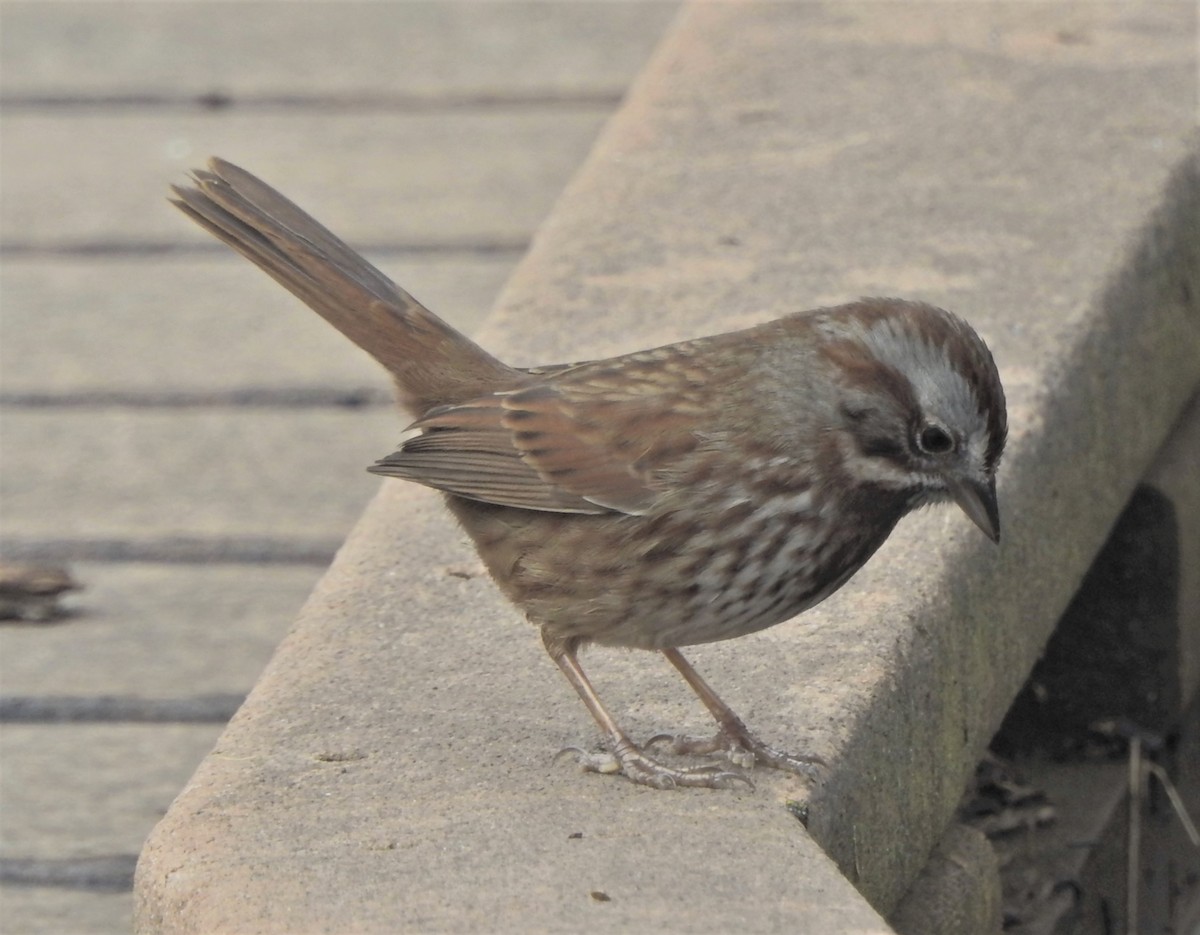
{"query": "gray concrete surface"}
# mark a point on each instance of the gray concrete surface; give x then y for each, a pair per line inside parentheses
(161, 402)
(155, 630)
(160, 358)
(75, 795)
(266, 481)
(109, 782)
(37, 909)
(116, 193)
(1032, 167)
(442, 54)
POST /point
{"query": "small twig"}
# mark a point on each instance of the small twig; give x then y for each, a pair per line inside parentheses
(1134, 844)
(1176, 802)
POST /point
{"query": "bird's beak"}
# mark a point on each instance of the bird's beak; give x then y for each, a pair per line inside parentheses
(978, 501)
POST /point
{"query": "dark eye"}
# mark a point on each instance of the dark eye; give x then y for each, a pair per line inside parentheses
(934, 440)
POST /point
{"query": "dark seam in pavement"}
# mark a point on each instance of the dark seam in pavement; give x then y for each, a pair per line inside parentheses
(501, 247)
(284, 397)
(63, 709)
(110, 874)
(605, 98)
(174, 550)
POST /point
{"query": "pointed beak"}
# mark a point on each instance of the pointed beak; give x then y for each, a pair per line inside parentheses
(978, 501)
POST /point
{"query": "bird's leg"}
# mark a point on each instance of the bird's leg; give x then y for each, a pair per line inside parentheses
(625, 756)
(733, 739)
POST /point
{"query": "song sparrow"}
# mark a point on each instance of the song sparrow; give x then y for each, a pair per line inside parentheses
(673, 496)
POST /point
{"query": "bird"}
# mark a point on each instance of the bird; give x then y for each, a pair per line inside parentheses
(668, 497)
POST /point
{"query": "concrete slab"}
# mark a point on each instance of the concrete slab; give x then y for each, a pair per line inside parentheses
(1001, 159)
(85, 473)
(430, 49)
(103, 807)
(157, 631)
(110, 784)
(137, 328)
(347, 155)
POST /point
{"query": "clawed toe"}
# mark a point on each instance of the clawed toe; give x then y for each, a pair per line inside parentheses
(744, 752)
(635, 765)
(733, 741)
(682, 745)
(591, 762)
(801, 764)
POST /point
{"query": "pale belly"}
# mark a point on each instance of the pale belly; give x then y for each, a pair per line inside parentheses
(652, 583)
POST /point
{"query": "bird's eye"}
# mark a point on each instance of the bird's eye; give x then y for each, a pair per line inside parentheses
(934, 440)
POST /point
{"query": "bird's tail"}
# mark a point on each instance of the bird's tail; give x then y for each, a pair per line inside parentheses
(431, 363)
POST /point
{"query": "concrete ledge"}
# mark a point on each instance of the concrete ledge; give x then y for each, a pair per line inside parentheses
(1028, 166)
(958, 892)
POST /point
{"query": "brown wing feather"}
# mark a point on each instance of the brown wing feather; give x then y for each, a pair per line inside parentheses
(589, 439)
(558, 435)
(466, 450)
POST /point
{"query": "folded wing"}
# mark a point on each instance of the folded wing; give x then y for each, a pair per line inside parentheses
(582, 441)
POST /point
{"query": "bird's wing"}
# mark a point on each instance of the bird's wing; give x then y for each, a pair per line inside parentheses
(588, 439)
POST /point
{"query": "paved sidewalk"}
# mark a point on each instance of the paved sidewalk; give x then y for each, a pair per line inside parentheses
(172, 423)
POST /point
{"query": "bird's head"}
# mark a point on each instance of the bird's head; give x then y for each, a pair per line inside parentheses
(921, 407)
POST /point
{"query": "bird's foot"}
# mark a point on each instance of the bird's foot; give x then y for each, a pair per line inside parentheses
(636, 766)
(745, 751)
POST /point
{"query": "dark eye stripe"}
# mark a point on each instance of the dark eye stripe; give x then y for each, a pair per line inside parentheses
(882, 447)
